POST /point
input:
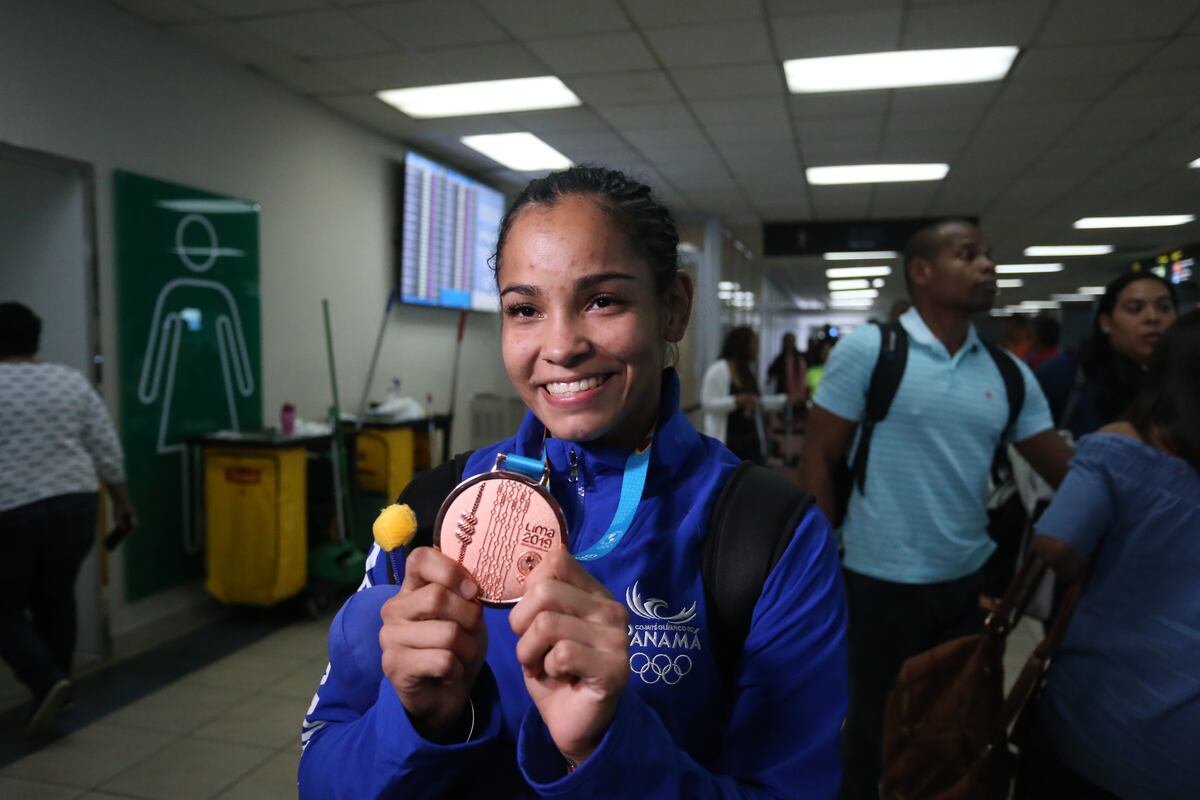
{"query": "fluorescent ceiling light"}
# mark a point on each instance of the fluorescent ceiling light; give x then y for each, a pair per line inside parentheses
(521, 152)
(1074, 298)
(836, 303)
(898, 69)
(1195, 164)
(1027, 269)
(860, 255)
(878, 283)
(1043, 250)
(1010, 283)
(1092, 290)
(855, 294)
(1039, 305)
(853, 283)
(727, 286)
(481, 97)
(1000, 312)
(858, 272)
(1160, 221)
(875, 173)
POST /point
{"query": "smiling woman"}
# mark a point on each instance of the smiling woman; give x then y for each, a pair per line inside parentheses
(604, 679)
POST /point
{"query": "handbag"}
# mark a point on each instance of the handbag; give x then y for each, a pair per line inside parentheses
(948, 729)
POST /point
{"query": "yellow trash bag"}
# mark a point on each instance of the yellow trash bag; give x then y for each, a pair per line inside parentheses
(255, 537)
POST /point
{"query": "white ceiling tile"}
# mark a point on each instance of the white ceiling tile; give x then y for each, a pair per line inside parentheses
(796, 208)
(300, 76)
(647, 116)
(923, 148)
(319, 34)
(837, 104)
(252, 8)
(432, 23)
(759, 156)
(671, 158)
(1039, 116)
(485, 62)
(531, 19)
(390, 71)
(456, 127)
(595, 139)
(663, 138)
(916, 123)
(1079, 21)
(1147, 84)
(372, 112)
(901, 201)
(846, 150)
(668, 13)
(1002, 22)
(1119, 108)
(1107, 129)
(594, 53)
(748, 111)
(794, 8)
(736, 133)
(651, 86)
(742, 42)
(944, 98)
(1183, 52)
(868, 31)
(228, 38)
(840, 202)
(839, 129)
(1041, 63)
(557, 120)
(1064, 88)
(164, 11)
(744, 80)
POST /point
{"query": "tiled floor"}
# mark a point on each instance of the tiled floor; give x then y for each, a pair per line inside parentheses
(229, 730)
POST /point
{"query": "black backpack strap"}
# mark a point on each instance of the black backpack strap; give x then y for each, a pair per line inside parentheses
(751, 526)
(1014, 386)
(885, 382)
(425, 493)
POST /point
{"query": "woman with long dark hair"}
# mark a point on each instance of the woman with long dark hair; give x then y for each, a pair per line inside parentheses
(1121, 709)
(731, 399)
(1097, 385)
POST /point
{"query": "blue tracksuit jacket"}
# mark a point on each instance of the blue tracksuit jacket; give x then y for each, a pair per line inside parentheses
(680, 731)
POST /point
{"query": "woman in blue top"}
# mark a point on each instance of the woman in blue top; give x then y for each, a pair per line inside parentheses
(601, 681)
(1121, 710)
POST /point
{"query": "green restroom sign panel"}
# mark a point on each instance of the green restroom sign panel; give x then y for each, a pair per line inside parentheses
(190, 357)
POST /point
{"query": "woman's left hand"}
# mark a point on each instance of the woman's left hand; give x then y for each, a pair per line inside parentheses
(574, 651)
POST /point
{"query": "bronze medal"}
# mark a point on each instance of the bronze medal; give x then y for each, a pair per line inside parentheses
(499, 526)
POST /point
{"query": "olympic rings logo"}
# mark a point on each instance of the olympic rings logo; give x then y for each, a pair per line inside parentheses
(660, 667)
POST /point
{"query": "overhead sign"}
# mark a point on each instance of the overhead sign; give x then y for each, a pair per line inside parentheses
(816, 238)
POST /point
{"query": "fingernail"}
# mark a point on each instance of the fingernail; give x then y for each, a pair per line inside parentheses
(467, 587)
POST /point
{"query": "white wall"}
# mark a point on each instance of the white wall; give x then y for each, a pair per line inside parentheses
(84, 80)
(43, 260)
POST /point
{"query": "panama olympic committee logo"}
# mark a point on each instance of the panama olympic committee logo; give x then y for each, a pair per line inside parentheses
(660, 640)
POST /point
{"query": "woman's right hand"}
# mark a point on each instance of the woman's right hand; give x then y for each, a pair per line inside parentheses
(747, 401)
(434, 641)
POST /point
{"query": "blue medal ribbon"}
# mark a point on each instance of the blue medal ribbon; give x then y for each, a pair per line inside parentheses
(633, 483)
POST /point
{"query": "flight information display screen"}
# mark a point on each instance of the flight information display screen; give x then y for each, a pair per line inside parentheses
(449, 230)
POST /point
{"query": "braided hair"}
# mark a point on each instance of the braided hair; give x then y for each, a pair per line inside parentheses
(646, 222)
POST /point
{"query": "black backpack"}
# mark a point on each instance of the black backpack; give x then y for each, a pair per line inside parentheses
(885, 382)
(751, 525)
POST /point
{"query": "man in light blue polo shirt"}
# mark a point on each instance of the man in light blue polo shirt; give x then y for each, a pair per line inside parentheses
(916, 538)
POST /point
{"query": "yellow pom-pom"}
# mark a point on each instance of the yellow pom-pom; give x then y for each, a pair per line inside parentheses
(394, 527)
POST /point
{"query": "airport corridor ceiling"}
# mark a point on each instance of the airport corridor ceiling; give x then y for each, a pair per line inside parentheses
(1100, 114)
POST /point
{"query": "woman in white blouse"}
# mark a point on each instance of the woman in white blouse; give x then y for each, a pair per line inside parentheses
(55, 439)
(730, 397)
